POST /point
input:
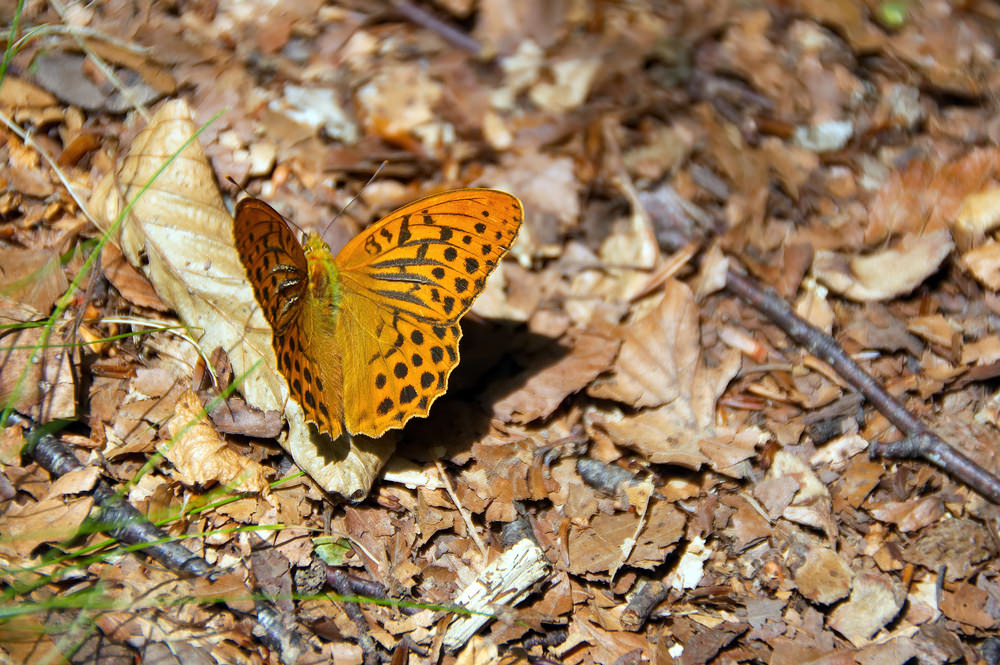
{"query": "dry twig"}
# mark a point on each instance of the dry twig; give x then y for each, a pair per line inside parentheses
(127, 525)
(919, 442)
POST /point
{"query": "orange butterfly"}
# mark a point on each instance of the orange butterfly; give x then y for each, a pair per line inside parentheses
(366, 340)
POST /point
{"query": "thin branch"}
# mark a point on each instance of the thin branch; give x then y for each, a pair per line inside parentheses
(343, 585)
(123, 522)
(447, 32)
(920, 441)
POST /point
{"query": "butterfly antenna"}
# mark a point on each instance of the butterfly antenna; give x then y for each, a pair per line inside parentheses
(237, 185)
(355, 197)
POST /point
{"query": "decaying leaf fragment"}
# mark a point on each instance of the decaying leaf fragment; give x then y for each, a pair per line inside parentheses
(886, 274)
(179, 234)
(201, 457)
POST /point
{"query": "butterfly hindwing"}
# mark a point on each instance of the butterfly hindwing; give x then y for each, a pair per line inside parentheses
(397, 369)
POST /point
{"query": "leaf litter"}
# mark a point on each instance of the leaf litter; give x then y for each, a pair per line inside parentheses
(692, 485)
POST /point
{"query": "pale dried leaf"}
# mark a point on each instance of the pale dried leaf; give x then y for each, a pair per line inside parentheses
(979, 213)
(824, 577)
(568, 85)
(200, 456)
(875, 600)
(984, 264)
(811, 505)
(885, 274)
(908, 515)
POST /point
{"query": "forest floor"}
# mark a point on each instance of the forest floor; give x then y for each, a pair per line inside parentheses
(631, 463)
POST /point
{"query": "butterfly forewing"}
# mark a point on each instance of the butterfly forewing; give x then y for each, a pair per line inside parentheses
(430, 259)
(274, 261)
(278, 270)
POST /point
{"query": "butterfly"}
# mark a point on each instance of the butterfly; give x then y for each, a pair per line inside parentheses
(367, 339)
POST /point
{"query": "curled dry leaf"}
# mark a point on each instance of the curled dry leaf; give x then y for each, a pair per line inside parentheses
(811, 504)
(886, 274)
(978, 215)
(179, 234)
(201, 457)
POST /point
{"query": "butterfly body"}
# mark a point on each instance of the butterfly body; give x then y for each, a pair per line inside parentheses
(367, 339)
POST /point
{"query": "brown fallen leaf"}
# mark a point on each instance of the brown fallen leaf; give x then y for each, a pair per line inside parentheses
(599, 546)
(927, 195)
(811, 505)
(32, 277)
(18, 93)
(536, 393)
(967, 604)
(908, 515)
(131, 284)
(46, 387)
(51, 520)
(656, 352)
(956, 544)
(978, 214)
(683, 430)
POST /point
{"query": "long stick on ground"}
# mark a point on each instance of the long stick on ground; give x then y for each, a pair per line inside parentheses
(127, 525)
(919, 442)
